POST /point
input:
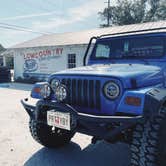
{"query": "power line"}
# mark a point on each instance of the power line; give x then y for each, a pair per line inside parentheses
(21, 28)
(12, 28)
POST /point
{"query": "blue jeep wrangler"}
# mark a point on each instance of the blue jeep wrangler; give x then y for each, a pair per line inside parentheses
(119, 96)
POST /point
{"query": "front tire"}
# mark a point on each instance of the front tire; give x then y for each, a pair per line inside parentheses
(148, 146)
(44, 135)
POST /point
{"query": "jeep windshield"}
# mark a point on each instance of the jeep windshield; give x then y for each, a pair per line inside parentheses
(129, 48)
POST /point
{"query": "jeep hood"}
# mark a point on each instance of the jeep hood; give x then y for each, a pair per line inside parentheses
(144, 75)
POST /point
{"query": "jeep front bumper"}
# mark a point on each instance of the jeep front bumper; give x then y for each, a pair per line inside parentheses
(103, 127)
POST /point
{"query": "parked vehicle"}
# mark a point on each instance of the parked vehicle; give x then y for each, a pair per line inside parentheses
(119, 96)
(5, 75)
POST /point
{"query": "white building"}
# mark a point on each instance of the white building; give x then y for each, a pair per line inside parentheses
(46, 54)
(49, 53)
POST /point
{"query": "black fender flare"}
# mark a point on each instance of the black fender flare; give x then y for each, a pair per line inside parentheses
(154, 100)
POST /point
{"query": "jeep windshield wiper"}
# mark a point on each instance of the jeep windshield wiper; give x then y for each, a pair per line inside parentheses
(135, 58)
(145, 61)
(100, 58)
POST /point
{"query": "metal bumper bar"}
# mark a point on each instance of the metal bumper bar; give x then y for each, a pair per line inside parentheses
(81, 116)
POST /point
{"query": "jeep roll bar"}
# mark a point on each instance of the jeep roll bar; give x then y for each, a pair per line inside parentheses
(114, 34)
(87, 50)
(129, 32)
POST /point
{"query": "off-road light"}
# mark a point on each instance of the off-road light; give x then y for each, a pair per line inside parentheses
(111, 90)
(54, 84)
(61, 93)
(45, 91)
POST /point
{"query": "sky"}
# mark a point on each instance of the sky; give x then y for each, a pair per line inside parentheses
(47, 16)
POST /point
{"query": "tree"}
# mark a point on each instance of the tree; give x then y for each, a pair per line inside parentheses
(134, 11)
(2, 48)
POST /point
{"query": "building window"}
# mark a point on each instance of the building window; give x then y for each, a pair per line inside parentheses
(71, 61)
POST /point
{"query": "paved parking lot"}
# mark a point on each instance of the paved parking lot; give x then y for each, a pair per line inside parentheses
(17, 148)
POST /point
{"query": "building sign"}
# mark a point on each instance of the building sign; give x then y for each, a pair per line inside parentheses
(30, 65)
(43, 54)
(41, 61)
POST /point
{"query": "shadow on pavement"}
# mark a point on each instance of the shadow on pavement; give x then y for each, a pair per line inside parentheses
(100, 154)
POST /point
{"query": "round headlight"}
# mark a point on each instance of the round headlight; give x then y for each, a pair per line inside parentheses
(61, 93)
(111, 90)
(54, 84)
(45, 91)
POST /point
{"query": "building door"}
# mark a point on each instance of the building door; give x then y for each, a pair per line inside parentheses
(71, 61)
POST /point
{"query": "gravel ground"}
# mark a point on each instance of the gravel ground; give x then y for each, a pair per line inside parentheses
(17, 148)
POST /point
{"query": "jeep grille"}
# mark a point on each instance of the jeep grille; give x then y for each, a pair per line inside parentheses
(83, 92)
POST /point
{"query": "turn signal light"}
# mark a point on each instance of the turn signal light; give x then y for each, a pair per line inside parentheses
(37, 90)
(134, 101)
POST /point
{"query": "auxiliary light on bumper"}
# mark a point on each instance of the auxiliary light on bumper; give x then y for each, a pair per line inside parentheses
(61, 93)
(45, 91)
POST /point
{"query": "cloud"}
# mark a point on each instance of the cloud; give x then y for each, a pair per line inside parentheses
(73, 15)
(29, 16)
(9, 38)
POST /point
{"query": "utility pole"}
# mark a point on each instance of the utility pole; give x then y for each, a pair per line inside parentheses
(108, 14)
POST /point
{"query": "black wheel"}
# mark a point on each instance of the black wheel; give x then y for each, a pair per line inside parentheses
(148, 146)
(44, 135)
